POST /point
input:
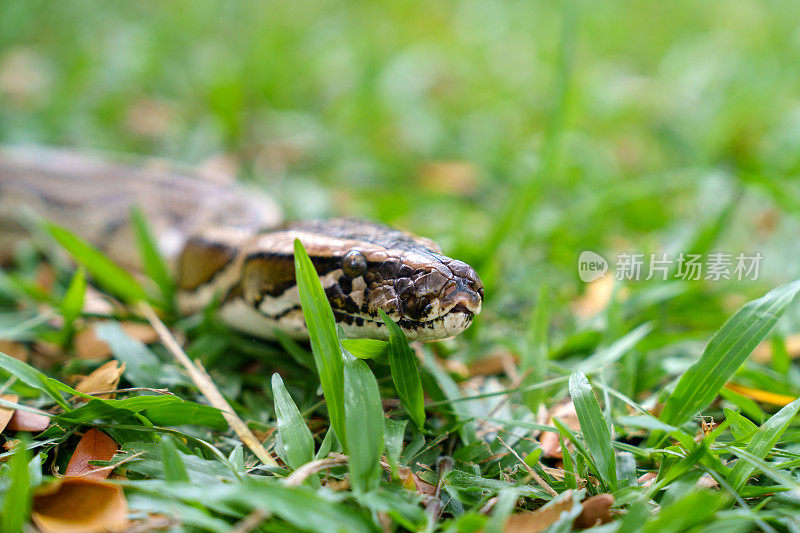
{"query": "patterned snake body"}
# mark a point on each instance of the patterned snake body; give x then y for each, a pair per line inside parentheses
(227, 242)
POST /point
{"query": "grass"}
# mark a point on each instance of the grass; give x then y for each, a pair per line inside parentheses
(517, 134)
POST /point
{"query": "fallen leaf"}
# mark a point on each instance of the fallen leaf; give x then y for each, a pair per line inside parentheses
(706, 481)
(15, 350)
(89, 346)
(540, 519)
(594, 511)
(26, 421)
(767, 222)
(449, 177)
(103, 378)
(564, 411)
(762, 396)
(493, 364)
(763, 352)
(595, 298)
(23, 73)
(78, 505)
(423, 488)
(45, 277)
(5, 412)
(646, 479)
(93, 446)
(456, 367)
(96, 303)
(337, 485)
(147, 117)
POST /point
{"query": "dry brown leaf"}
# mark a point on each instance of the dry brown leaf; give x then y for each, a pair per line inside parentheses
(6, 413)
(449, 177)
(23, 73)
(106, 377)
(411, 481)
(423, 487)
(540, 519)
(767, 222)
(27, 421)
(595, 511)
(15, 350)
(493, 364)
(78, 505)
(763, 352)
(147, 117)
(93, 446)
(96, 303)
(337, 485)
(456, 367)
(596, 297)
(89, 346)
(564, 411)
(45, 277)
(706, 481)
(646, 479)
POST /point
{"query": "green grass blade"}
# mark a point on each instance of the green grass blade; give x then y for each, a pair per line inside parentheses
(72, 304)
(366, 348)
(534, 358)
(617, 349)
(32, 377)
(152, 261)
(571, 474)
(507, 225)
(17, 500)
(326, 445)
(506, 501)
(142, 366)
(725, 353)
(298, 444)
(581, 452)
(297, 352)
(762, 442)
(365, 427)
(770, 470)
(109, 275)
(174, 469)
(322, 335)
(405, 373)
(395, 433)
(692, 509)
(594, 428)
(741, 427)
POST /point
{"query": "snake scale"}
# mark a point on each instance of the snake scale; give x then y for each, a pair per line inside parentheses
(224, 241)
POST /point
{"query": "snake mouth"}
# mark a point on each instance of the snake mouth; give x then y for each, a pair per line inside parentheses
(451, 323)
(461, 308)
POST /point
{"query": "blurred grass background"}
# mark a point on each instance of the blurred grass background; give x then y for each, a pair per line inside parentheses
(516, 133)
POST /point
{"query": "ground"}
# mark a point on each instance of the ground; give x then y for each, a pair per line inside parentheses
(518, 135)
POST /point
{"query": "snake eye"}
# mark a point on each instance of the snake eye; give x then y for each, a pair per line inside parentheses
(354, 264)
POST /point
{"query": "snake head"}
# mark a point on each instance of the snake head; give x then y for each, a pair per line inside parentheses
(429, 295)
(364, 268)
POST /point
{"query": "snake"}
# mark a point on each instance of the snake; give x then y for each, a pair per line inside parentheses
(227, 244)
